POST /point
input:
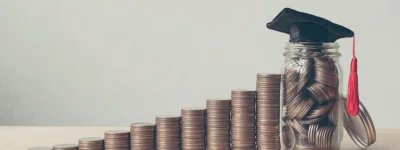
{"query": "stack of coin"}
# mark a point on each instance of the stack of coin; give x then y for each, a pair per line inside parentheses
(116, 140)
(142, 136)
(193, 128)
(65, 147)
(218, 124)
(310, 94)
(324, 137)
(243, 119)
(268, 111)
(91, 143)
(168, 132)
(40, 148)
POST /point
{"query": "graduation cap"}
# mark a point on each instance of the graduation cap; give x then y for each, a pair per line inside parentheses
(303, 27)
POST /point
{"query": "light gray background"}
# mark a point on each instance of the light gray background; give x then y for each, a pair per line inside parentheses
(91, 62)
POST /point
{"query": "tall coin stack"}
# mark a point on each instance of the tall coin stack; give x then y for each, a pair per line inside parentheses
(193, 129)
(218, 124)
(309, 96)
(116, 140)
(268, 111)
(142, 136)
(65, 147)
(168, 132)
(91, 143)
(243, 119)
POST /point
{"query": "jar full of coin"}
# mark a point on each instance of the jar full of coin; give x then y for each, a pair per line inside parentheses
(310, 99)
(312, 108)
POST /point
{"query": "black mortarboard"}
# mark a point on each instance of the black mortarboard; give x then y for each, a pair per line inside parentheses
(303, 27)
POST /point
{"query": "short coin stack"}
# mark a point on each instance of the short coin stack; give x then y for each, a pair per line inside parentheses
(91, 143)
(168, 132)
(268, 110)
(193, 129)
(142, 136)
(116, 140)
(65, 147)
(243, 119)
(218, 124)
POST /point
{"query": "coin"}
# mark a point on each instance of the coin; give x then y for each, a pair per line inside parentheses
(288, 137)
(116, 140)
(168, 133)
(91, 143)
(193, 128)
(142, 136)
(312, 131)
(268, 111)
(302, 143)
(360, 128)
(218, 124)
(324, 137)
(305, 72)
(310, 92)
(326, 71)
(320, 110)
(65, 147)
(300, 109)
(243, 119)
(322, 92)
(291, 85)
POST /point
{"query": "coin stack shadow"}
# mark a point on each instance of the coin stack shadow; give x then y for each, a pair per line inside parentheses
(168, 132)
(91, 143)
(142, 136)
(218, 124)
(268, 111)
(65, 147)
(116, 140)
(310, 92)
(243, 119)
(193, 129)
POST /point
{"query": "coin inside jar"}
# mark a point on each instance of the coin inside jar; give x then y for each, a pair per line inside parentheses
(312, 131)
(309, 101)
(288, 137)
(322, 92)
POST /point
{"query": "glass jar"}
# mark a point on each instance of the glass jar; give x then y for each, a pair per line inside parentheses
(311, 103)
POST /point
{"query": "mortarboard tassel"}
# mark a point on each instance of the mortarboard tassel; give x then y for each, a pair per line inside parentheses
(352, 91)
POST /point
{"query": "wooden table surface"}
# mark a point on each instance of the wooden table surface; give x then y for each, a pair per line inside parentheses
(21, 138)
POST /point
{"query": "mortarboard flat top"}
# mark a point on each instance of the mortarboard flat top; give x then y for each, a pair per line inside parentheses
(303, 27)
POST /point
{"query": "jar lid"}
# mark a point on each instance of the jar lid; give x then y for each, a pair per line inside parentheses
(360, 128)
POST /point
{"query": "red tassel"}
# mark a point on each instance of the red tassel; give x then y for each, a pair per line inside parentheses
(352, 92)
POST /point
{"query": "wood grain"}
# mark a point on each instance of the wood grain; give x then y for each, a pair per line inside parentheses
(21, 138)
